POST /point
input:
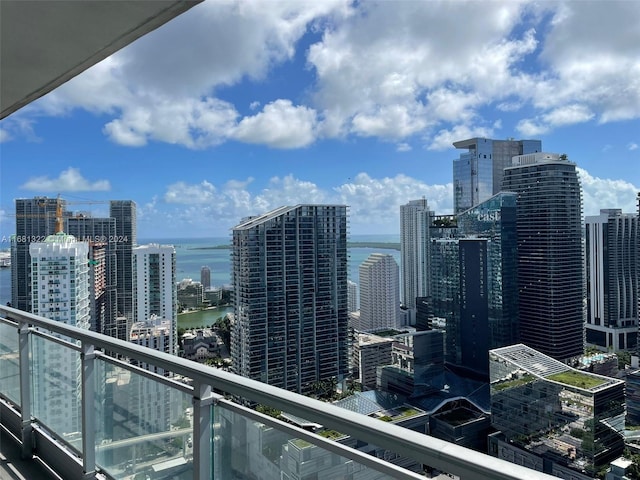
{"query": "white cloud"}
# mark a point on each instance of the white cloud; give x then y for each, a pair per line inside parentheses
(5, 136)
(531, 128)
(374, 203)
(632, 146)
(194, 123)
(558, 117)
(161, 87)
(403, 147)
(568, 115)
(391, 70)
(279, 125)
(599, 71)
(600, 193)
(185, 194)
(69, 180)
(509, 106)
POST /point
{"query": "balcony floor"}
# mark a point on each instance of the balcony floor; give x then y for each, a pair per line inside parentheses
(12, 467)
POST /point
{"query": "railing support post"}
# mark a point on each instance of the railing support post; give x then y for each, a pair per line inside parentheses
(25, 391)
(202, 438)
(87, 357)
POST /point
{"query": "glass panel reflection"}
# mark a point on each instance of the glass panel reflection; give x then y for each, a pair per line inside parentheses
(9, 363)
(144, 429)
(246, 449)
(56, 380)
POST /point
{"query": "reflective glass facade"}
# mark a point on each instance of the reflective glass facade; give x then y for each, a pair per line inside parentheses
(478, 173)
(495, 221)
(290, 285)
(562, 415)
(550, 253)
(475, 283)
(35, 220)
(124, 211)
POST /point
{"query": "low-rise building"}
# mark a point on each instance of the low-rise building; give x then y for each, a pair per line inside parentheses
(370, 352)
(558, 419)
(201, 345)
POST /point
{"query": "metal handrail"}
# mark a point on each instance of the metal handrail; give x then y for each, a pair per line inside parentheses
(445, 456)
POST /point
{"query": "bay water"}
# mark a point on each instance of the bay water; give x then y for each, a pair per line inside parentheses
(194, 253)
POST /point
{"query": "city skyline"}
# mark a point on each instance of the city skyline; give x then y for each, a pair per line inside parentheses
(293, 113)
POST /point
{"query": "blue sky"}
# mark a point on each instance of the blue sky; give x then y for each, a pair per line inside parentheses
(235, 108)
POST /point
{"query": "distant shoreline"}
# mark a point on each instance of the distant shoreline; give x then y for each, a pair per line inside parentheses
(382, 245)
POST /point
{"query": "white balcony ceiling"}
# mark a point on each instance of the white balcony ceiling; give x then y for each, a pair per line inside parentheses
(44, 43)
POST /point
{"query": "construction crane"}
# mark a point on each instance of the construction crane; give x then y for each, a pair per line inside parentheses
(60, 203)
(60, 212)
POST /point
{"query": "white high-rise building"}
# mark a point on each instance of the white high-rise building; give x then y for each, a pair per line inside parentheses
(612, 267)
(60, 292)
(154, 289)
(352, 296)
(379, 293)
(155, 314)
(415, 218)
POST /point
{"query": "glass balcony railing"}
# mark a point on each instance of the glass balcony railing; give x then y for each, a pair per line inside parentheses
(88, 404)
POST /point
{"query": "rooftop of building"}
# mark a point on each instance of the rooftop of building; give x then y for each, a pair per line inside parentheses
(540, 365)
(371, 339)
(472, 142)
(537, 158)
(384, 406)
(257, 220)
(434, 393)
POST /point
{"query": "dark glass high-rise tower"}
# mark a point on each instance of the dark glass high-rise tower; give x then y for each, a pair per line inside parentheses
(289, 276)
(475, 283)
(124, 212)
(550, 253)
(35, 220)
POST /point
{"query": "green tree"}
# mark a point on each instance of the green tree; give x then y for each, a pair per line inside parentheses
(223, 326)
(624, 358)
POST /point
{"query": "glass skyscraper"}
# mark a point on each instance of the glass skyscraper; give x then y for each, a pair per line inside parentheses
(35, 220)
(289, 277)
(478, 173)
(550, 253)
(475, 283)
(124, 211)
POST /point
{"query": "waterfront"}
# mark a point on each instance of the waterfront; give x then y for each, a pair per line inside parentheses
(202, 318)
(194, 253)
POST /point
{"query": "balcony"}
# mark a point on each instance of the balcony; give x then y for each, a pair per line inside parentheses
(103, 417)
